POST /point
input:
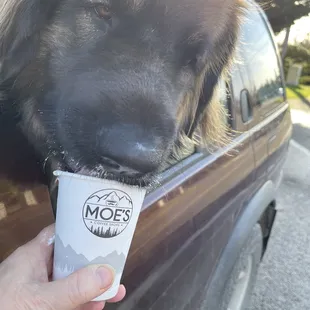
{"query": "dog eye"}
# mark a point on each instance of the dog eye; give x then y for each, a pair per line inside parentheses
(194, 56)
(103, 12)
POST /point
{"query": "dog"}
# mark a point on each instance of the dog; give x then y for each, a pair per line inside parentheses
(117, 89)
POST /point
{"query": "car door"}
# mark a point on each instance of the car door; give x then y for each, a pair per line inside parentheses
(262, 77)
(280, 117)
(185, 224)
(24, 199)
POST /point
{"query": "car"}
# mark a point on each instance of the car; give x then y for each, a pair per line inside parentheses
(205, 227)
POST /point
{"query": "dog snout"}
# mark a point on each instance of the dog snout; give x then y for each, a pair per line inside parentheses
(129, 150)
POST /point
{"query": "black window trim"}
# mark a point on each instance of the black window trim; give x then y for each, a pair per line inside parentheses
(201, 157)
(276, 50)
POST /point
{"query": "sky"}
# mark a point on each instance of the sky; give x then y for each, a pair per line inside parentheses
(299, 31)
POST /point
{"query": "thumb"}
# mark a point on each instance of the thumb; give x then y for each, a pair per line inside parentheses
(79, 288)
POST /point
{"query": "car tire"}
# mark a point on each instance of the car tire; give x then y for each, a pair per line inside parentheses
(239, 286)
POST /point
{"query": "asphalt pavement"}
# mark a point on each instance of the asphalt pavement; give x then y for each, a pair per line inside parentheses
(284, 277)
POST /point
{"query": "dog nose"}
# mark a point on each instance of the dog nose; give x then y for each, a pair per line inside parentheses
(131, 152)
(136, 158)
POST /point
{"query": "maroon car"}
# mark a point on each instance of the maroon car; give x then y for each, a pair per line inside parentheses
(202, 232)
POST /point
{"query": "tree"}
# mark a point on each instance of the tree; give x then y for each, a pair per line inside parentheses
(306, 42)
(285, 42)
(282, 15)
(299, 53)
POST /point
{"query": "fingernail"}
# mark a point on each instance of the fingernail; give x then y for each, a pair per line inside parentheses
(106, 276)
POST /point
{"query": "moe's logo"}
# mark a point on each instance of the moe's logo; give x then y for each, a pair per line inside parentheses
(107, 213)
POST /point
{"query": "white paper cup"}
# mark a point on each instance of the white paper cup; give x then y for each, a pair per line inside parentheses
(95, 224)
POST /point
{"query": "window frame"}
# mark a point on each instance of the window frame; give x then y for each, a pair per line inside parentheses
(200, 156)
(247, 68)
(276, 50)
(174, 175)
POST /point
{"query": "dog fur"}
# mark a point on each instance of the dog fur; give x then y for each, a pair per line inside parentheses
(172, 54)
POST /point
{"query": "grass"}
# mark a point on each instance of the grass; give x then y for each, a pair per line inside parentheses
(293, 91)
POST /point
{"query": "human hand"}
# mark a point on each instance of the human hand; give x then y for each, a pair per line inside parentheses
(25, 285)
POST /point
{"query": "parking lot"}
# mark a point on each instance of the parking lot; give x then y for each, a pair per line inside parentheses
(284, 277)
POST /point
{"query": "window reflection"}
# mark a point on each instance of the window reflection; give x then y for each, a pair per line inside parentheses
(223, 95)
(3, 211)
(17, 198)
(30, 198)
(258, 53)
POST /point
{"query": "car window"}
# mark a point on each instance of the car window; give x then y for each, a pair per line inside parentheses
(258, 55)
(224, 99)
(179, 166)
(193, 149)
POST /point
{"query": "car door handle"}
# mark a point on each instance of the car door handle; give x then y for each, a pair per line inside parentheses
(246, 108)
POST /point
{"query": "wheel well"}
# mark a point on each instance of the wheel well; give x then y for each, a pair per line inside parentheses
(266, 222)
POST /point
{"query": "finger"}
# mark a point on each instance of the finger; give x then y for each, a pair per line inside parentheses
(42, 246)
(79, 288)
(45, 240)
(93, 305)
(99, 305)
(49, 266)
(31, 259)
(120, 294)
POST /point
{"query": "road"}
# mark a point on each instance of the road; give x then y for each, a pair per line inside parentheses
(284, 278)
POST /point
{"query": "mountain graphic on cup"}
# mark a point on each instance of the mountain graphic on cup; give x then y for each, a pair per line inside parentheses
(106, 213)
(66, 260)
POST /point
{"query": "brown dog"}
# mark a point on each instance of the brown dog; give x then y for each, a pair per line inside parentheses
(112, 88)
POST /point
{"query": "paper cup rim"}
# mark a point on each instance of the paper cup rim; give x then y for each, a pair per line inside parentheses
(59, 173)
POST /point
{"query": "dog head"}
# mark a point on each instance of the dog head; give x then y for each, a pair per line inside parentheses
(109, 87)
